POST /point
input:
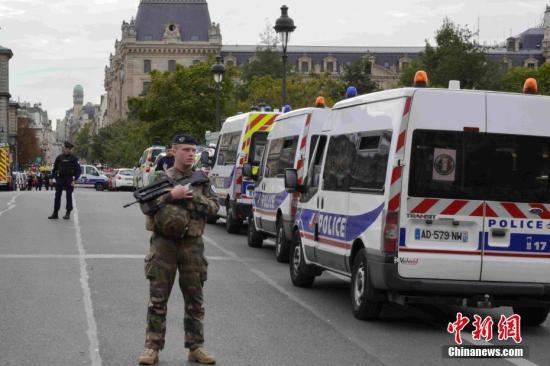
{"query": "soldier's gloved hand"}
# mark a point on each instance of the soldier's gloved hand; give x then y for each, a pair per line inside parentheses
(180, 192)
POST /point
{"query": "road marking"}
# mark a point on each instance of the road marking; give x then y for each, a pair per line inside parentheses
(227, 252)
(11, 204)
(369, 350)
(516, 361)
(84, 277)
(107, 256)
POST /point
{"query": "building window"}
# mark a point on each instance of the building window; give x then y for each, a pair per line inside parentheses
(386, 65)
(330, 66)
(146, 66)
(171, 65)
(304, 67)
(229, 63)
(146, 86)
(530, 65)
(404, 65)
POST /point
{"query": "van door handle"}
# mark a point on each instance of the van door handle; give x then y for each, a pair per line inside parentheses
(317, 201)
(498, 232)
(322, 203)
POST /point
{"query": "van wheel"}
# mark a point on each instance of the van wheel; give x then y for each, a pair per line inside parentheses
(232, 225)
(531, 316)
(282, 246)
(254, 238)
(99, 187)
(364, 307)
(301, 274)
(212, 219)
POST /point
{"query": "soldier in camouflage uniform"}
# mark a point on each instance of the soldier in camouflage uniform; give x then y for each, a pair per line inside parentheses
(177, 246)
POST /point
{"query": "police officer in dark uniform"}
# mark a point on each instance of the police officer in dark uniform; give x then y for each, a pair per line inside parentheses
(66, 170)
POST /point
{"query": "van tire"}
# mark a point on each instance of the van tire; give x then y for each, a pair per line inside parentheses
(255, 239)
(282, 246)
(99, 186)
(232, 225)
(212, 219)
(531, 316)
(301, 274)
(361, 290)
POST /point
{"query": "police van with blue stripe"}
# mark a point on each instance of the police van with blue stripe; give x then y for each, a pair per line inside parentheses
(422, 195)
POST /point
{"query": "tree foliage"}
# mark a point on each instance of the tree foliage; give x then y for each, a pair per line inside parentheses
(456, 57)
(358, 74)
(27, 142)
(83, 142)
(513, 80)
(183, 100)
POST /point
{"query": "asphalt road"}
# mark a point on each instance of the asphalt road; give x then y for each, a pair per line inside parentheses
(74, 293)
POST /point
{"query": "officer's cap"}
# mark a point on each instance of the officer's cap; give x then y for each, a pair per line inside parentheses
(184, 138)
(68, 145)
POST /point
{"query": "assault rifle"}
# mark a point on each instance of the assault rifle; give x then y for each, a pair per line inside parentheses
(154, 191)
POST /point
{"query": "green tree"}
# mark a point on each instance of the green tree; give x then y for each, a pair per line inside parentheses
(456, 57)
(183, 100)
(267, 62)
(358, 74)
(83, 142)
(514, 79)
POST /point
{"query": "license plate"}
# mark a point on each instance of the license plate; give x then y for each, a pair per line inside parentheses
(441, 235)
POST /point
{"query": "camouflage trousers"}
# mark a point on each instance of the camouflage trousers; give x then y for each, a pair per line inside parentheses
(166, 257)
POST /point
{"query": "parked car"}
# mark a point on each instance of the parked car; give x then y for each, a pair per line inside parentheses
(123, 179)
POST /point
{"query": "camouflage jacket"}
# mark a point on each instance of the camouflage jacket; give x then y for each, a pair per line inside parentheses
(203, 204)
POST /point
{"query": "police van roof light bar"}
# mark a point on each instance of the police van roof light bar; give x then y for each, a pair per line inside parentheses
(420, 79)
(530, 86)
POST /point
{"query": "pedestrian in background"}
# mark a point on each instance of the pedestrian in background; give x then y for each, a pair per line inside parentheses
(177, 246)
(167, 161)
(29, 181)
(66, 170)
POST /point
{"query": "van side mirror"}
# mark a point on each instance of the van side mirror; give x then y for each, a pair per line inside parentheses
(291, 180)
(247, 171)
(205, 159)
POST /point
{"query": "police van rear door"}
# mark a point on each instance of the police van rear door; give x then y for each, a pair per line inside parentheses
(517, 245)
(442, 210)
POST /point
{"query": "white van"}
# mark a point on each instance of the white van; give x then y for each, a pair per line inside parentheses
(289, 145)
(425, 194)
(145, 167)
(91, 177)
(233, 192)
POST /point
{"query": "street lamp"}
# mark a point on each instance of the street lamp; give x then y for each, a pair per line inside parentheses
(284, 26)
(217, 71)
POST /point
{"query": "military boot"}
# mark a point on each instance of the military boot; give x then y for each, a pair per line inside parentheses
(149, 356)
(53, 216)
(67, 215)
(201, 355)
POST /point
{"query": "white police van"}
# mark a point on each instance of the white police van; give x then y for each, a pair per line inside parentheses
(234, 194)
(423, 194)
(289, 145)
(91, 177)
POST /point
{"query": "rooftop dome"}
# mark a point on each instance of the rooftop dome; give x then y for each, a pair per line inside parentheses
(78, 89)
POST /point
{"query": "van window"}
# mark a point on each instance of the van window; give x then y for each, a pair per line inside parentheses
(155, 153)
(370, 163)
(229, 144)
(314, 170)
(479, 166)
(340, 155)
(280, 156)
(90, 170)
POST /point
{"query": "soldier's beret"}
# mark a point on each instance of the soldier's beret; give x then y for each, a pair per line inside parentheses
(68, 145)
(184, 139)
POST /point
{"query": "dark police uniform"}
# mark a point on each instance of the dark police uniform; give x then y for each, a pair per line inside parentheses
(66, 169)
(165, 163)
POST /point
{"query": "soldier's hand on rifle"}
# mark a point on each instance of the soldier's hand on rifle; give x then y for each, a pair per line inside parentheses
(180, 192)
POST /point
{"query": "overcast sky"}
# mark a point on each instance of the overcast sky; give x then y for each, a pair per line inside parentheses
(60, 43)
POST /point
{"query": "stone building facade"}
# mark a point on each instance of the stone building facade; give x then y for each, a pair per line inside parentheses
(163, 34)
(169, 32)
(5, 56)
